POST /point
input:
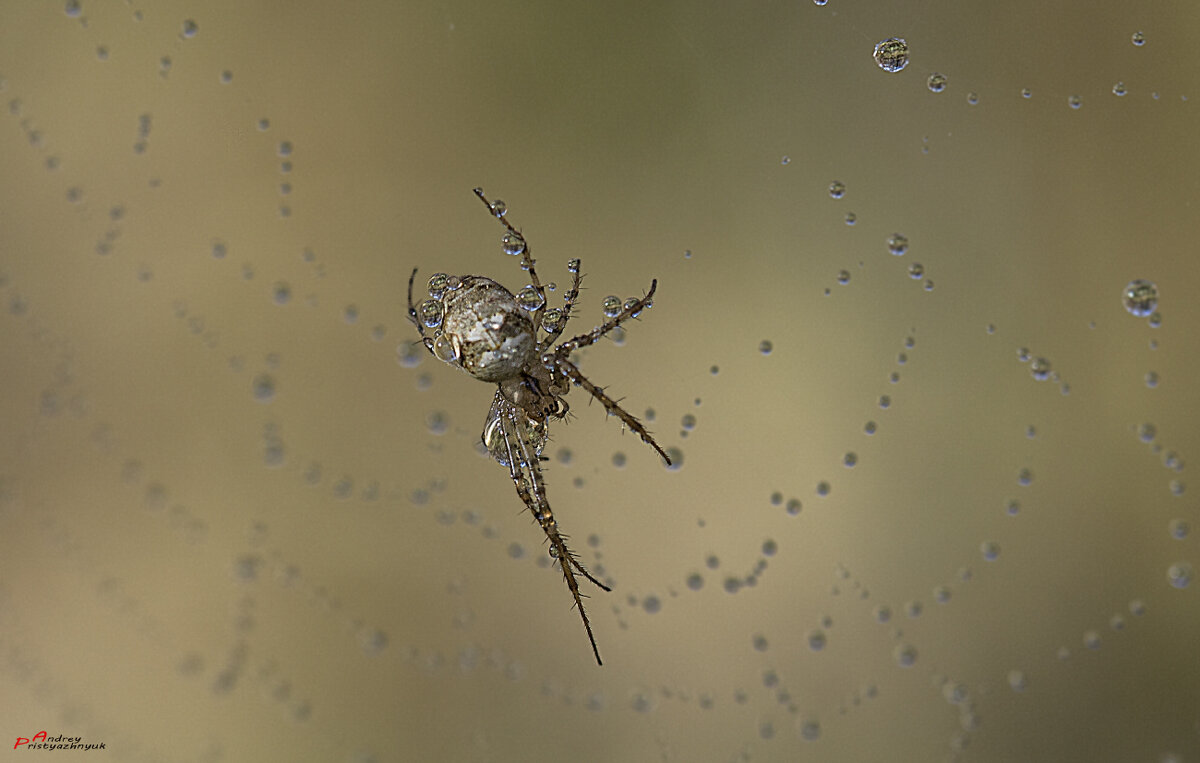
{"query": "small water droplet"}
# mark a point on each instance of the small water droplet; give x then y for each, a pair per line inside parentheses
(936, 83)
(611, 306)
(1140, 297)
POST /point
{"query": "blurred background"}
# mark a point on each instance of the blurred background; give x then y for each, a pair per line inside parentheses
(931, 501)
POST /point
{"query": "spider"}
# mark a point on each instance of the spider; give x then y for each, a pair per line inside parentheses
(488, 332)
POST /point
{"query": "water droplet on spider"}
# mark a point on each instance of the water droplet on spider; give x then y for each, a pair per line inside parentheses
(499, 208)
(1040, 368)
(897, 244)
(512, 243)
(263, 387)
(572, 266)
(936, 82)
(916, 271)
(1140, 297)
(1139, 38)
(430, 312)
(553, 320)
(437, 285)
(837, 189)
(891, 54)
(530, 299)
(444, 349)
(611, 306)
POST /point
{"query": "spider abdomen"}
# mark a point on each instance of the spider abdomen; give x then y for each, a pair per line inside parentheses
(491, 336)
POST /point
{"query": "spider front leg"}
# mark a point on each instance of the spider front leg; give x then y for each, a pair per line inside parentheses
(526, 260)
(412, 314)
(526, 474)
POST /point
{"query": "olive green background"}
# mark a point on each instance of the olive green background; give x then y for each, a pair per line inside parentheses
(238, 526)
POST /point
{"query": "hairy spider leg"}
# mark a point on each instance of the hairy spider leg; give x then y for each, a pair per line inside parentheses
(526, 260)
(593, 336)
(412, 315)
(568, 305)
(527, 476)
(610, 405)
(558, 359)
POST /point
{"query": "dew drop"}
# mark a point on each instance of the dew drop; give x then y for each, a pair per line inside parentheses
(512, 243)
(766, 347)
(816, 639)
(891, 54)
(676, 456)
(897, 244)
(431, 313)
(263, 387)
(1179, 575)
(611, 306)
(905, 655)
(1140, 297)
(1139, 38)
(936, 83)
(529, 298)
(837, 189)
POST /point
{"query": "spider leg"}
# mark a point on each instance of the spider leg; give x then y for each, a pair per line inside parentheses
(526, 474)
(526, 261)
(570, 297)
(412, 314)
(610, 405)
(593, 336)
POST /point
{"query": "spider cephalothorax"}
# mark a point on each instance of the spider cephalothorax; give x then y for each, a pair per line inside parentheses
(488, 332)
